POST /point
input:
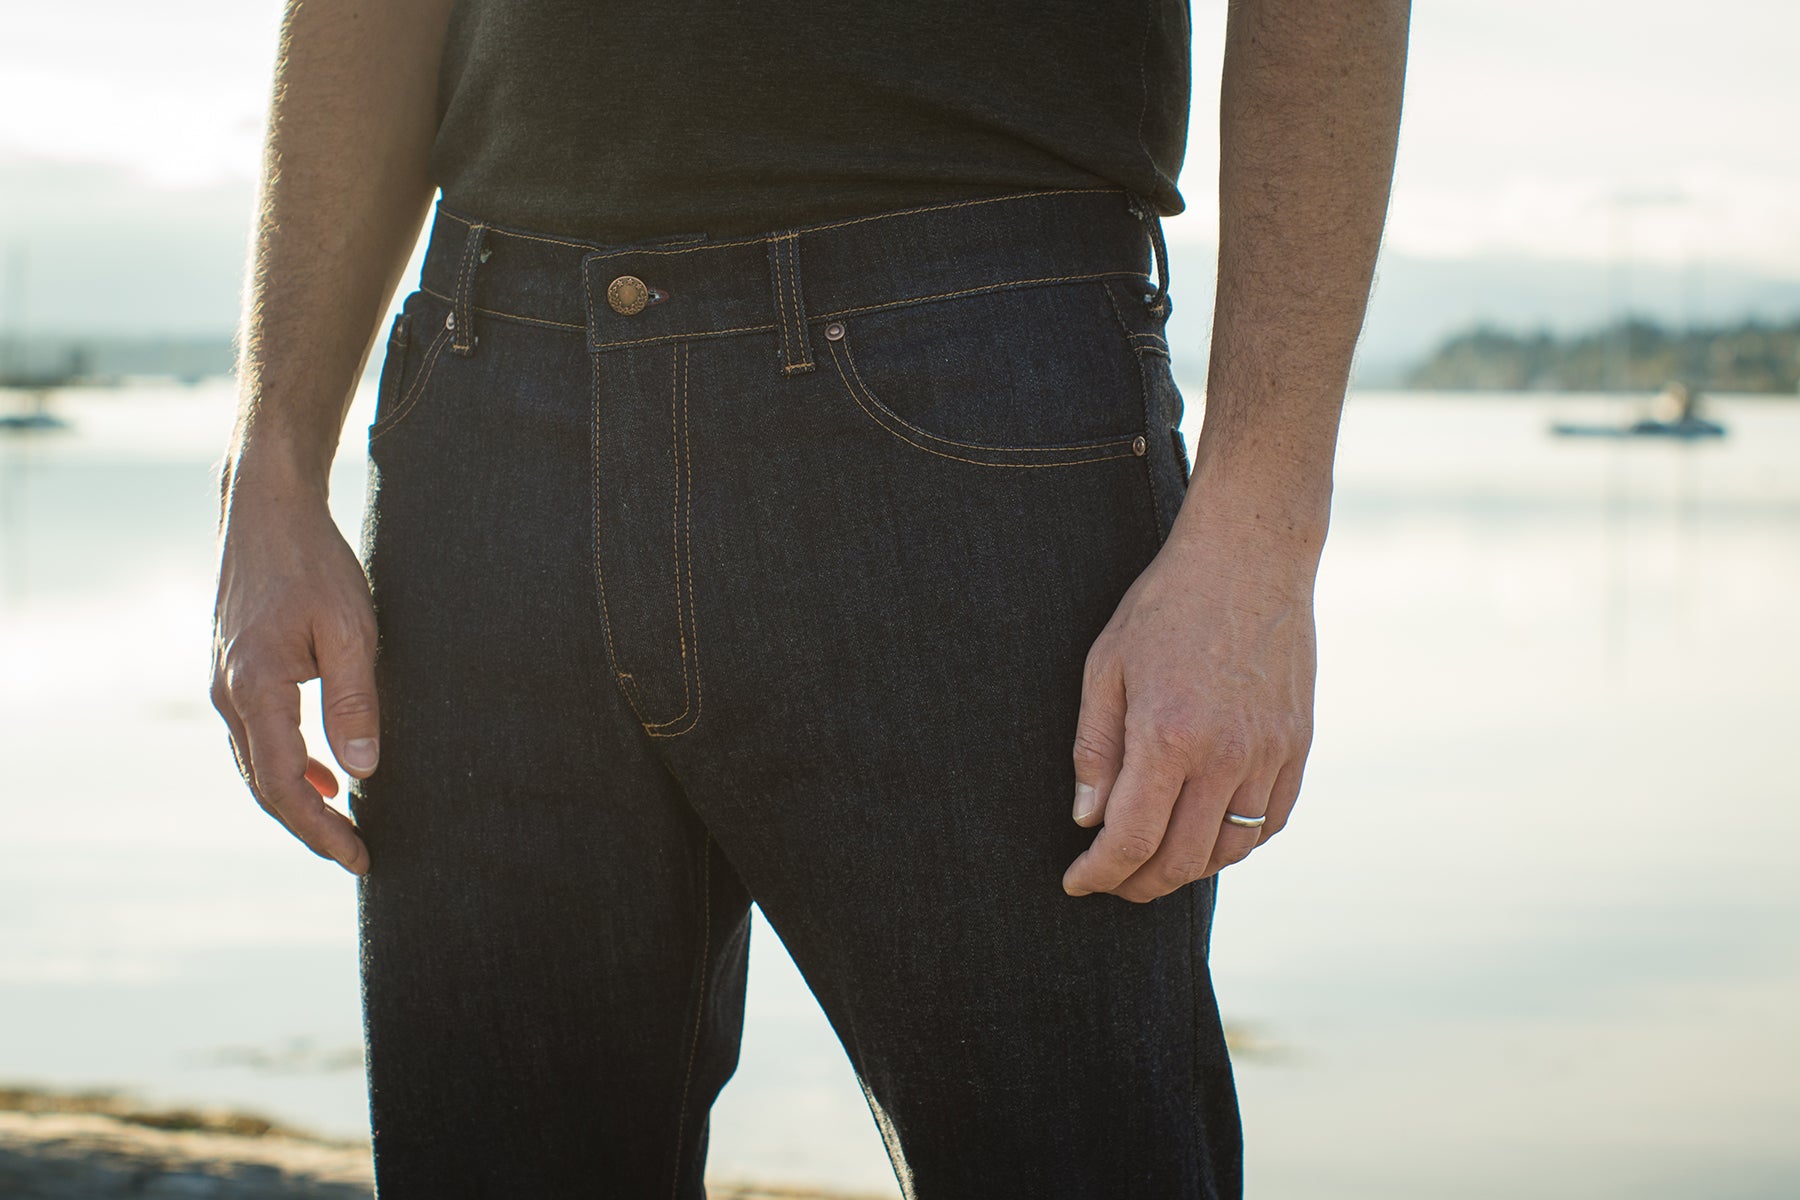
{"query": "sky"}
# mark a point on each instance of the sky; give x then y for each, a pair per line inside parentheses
(1594, 145)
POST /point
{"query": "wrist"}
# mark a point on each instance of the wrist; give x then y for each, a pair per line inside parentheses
(1274, 514)
(271, 466)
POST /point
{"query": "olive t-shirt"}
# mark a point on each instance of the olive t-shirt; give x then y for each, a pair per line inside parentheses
(616, 121)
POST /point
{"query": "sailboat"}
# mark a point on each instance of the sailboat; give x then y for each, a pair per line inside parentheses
(1675, 413)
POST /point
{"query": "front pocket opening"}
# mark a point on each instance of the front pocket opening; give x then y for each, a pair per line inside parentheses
(1123, 445)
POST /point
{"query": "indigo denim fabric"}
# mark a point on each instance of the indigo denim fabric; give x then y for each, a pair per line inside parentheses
(719, 570)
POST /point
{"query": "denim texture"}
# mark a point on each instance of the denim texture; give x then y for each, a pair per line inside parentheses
(779, 589)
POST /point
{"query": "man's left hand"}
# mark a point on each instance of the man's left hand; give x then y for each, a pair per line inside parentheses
(1197, 701)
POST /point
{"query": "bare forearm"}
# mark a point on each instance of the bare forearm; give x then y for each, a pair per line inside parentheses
(1309, 115)
(344, 189)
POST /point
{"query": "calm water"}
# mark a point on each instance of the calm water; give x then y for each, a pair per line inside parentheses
(1533, 931)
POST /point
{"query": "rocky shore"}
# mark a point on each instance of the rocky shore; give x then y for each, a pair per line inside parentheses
(95, 1146)
(102, 1145)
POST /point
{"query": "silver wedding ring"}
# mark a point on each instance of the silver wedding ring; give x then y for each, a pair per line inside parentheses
(1232, 818)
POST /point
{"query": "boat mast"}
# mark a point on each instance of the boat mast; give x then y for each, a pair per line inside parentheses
(12, 329)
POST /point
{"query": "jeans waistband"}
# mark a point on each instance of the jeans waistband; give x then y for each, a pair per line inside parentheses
(783, 281)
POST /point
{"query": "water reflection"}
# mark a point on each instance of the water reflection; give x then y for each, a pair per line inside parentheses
(1531, 932)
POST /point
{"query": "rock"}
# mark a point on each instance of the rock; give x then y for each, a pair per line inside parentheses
(103, 1145)
(94, 1156)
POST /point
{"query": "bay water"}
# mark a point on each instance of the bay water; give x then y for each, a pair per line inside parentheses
(1534, 930)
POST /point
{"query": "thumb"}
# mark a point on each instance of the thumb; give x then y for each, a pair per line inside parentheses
(346, 660)
(1099, 741)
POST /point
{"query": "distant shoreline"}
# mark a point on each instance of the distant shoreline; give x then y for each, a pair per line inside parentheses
(1751, 356)
(176, 356)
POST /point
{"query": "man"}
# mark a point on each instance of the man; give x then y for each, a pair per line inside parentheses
(799, 368)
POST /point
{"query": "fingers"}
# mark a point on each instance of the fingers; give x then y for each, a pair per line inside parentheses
(1282, 798)
(263, 713)
(1199, 841)
(1166, 821)
(345, 652)
(317, 773)
(234, 728)
(1182, 855)
(279, 760)
(240, 749)
(1099, 739)
(1235, 842)
(320, 776)
(1137, 813)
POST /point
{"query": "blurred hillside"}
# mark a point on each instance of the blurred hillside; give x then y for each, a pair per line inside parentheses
(1635, 355)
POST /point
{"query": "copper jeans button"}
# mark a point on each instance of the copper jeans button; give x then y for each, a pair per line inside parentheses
(627, 295)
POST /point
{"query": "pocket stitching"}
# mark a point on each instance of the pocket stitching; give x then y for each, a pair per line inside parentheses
(680, 553)
(409, 400)
(693, 692)
(899, 427)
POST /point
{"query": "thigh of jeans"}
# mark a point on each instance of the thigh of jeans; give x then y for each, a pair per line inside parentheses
(553, 948)
(892, 568)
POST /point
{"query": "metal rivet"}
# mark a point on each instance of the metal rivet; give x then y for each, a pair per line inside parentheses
(486, 254)
(627, 295)
(834, 332)
(1139, 445)
(450, 320)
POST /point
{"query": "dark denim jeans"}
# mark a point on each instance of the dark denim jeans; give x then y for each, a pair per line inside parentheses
(711, 571)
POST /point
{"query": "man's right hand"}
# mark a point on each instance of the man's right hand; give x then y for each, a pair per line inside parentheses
(294, 606)
(345, 187)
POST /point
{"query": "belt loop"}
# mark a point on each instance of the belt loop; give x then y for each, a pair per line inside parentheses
(1159, 303)
(462, 315)
(790, 307)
